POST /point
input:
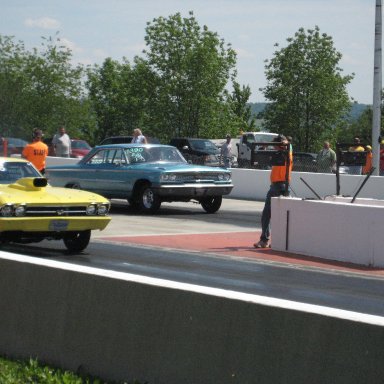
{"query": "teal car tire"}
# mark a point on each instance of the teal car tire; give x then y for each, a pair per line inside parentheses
(147, 200)
(211, 204)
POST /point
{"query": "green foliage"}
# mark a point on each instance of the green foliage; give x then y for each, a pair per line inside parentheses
(41, 88)
(306, 89)
(31, 372)
(360, 127)
(192, 66)
(244, 121)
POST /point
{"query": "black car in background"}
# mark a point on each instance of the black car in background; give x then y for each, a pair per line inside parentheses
(197, 151)
(126, 140)
(304, 162)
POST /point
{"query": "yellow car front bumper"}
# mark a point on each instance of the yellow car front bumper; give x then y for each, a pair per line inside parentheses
(53, 224)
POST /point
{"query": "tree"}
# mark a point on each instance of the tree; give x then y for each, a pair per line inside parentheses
(361, 126)
(306, 89)
(241, 109)
(191, 66)
(41, 88)
(119, 94)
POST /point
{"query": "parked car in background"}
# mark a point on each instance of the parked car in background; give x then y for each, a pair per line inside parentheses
(248, 144)
(31, 210)
(304, 162)
(146, 175)
(79, 148)
(127, 140)
(15, 146)
(197, 151)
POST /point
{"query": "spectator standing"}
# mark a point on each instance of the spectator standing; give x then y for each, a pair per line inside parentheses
(226, 152)
(138, 137)
(326, 159)
(62, 143)
(289, 138)
(37, 151)
(368, 163)
(356, 169)
(3, 147)
(278, 186)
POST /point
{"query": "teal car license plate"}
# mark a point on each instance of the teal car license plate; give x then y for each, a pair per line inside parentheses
(58, 225)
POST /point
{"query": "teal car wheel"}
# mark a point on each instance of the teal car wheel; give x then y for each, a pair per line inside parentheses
(147, 200)
(211, 204)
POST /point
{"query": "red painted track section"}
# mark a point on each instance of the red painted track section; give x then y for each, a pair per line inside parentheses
(238, 244)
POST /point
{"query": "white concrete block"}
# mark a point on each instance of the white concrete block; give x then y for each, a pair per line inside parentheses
(335, 230)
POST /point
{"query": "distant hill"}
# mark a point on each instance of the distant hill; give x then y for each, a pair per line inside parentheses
(355, 112)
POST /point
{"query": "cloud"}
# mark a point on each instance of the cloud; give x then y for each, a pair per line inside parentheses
(71, 45)
(43, 22)
(244, 53)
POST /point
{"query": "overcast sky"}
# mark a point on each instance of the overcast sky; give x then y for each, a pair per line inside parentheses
(96, 29)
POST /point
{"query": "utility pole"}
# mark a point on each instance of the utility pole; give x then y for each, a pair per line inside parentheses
(377, 85)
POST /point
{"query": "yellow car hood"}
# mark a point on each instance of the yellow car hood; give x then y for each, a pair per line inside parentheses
(26, 191)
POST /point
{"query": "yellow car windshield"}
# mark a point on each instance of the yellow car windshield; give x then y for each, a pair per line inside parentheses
(11, 171)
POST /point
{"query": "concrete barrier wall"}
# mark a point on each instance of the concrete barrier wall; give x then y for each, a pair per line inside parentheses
(52, 161)
(334, 230)
(253, 184)
(125, 327)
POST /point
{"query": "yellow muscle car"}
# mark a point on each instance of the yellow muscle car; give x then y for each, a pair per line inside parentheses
(31, 210)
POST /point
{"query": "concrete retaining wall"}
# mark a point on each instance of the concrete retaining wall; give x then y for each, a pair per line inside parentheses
(126, 327)
(253, 184)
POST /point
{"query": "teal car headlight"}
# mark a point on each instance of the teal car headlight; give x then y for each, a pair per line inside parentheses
(224, 176)
(168, 177)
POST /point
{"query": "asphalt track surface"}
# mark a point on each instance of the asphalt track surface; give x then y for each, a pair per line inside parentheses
(183, 243)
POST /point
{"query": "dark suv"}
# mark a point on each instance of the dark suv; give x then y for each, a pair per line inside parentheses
(197, 151)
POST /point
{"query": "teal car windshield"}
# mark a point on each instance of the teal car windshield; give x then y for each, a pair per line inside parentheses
(153, 154)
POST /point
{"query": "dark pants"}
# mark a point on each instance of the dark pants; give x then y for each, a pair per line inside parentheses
(275, 190)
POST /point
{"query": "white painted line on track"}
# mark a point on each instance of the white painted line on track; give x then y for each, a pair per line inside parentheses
(233, 295)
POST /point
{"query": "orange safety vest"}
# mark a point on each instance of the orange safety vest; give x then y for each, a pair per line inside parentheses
(368, 163)
(278, 172)
(36, 153)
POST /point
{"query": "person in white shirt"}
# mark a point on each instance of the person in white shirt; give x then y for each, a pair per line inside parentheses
(138, 137)
(62, 143)
(226, 152)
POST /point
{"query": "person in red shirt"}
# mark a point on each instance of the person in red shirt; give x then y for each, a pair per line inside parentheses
(280, 174)
(37, 151)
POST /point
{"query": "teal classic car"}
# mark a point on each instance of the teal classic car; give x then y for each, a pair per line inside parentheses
(146, 175)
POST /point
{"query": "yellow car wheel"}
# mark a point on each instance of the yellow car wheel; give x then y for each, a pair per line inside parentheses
(77, 241)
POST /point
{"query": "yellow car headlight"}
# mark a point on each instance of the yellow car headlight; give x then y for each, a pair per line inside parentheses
(7, 210)
(19, 210)
(102, 209)
(91, 210)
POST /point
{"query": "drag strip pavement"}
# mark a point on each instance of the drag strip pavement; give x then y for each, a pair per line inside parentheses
(334, 289)
(343, 289)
